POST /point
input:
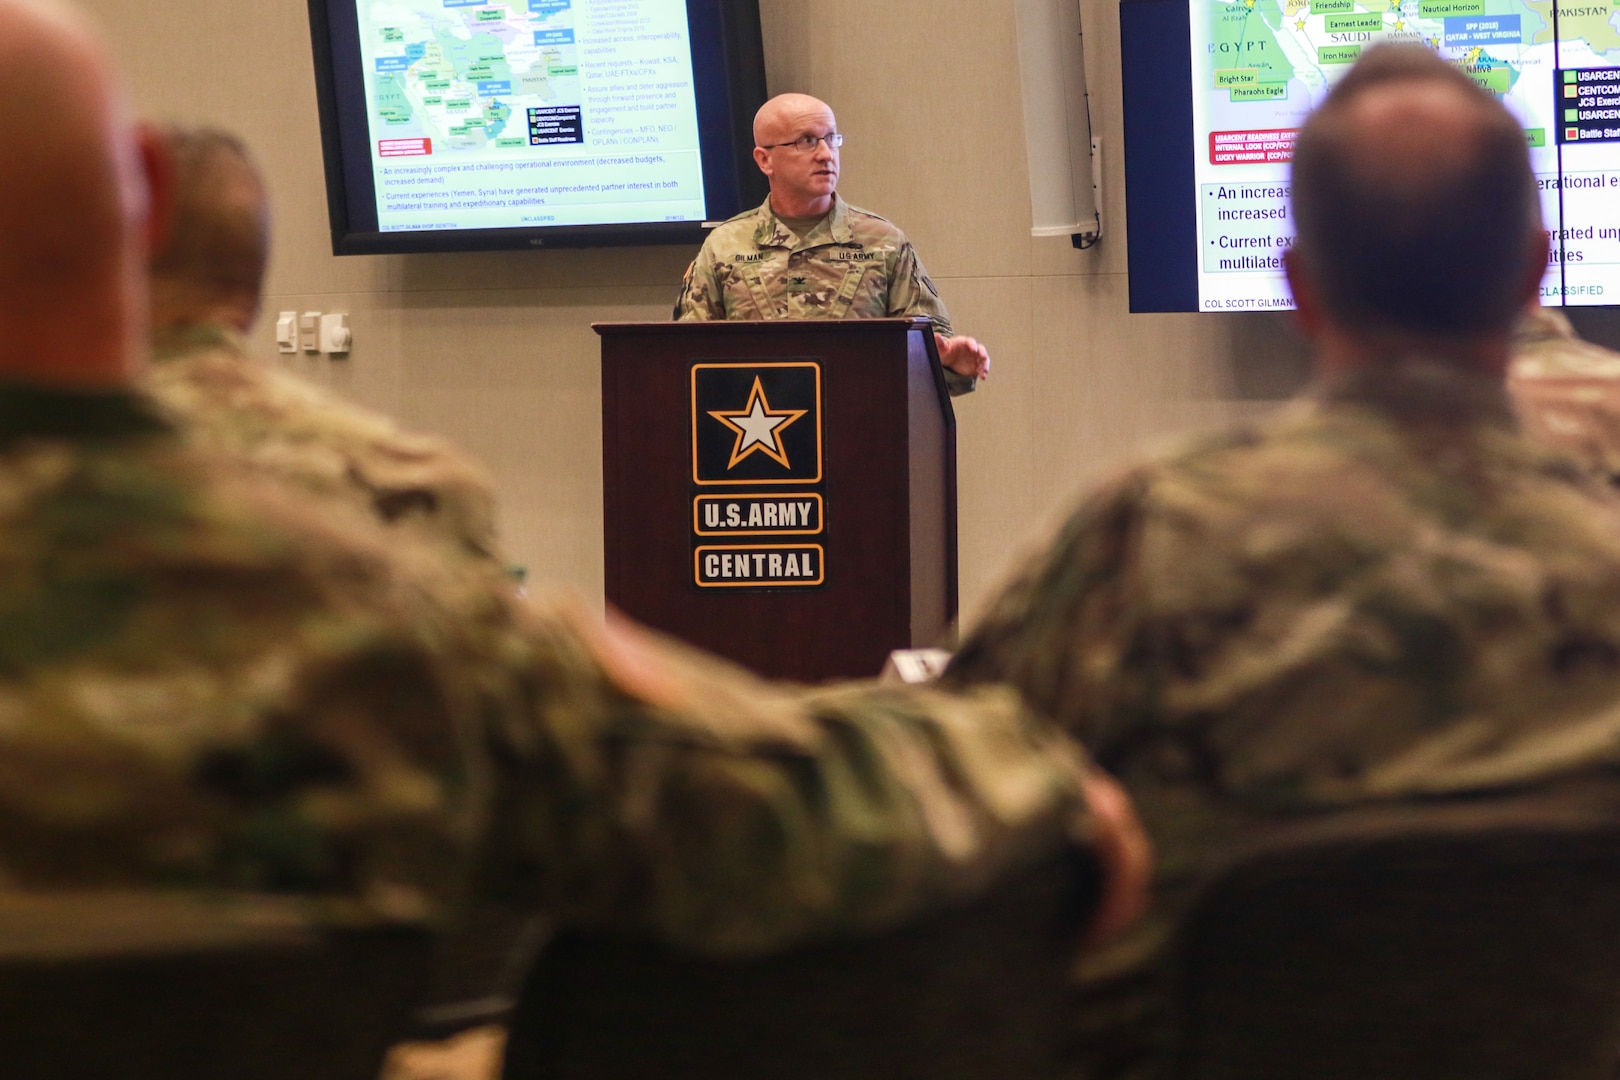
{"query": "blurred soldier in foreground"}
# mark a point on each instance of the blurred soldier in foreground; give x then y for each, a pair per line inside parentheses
(1567, 391)
(212, 686)
(207, 282)
(805, 253)
(1384, 592)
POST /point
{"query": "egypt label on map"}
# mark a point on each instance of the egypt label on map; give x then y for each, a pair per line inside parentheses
(581, 110)
(1260, 66)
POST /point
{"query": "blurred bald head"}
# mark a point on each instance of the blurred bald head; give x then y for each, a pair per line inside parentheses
(1415, 205)
(210, 268)
(73, 205)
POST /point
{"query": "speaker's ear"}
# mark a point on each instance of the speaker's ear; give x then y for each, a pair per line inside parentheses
(1065, 177)
(157, 165)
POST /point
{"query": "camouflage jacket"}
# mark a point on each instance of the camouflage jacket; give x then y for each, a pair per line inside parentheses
(851, 265)
(1567, 392)
(1383, 592)
(214, 691)
(299, 432)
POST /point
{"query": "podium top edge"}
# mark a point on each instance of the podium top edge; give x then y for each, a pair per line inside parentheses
(778, 326)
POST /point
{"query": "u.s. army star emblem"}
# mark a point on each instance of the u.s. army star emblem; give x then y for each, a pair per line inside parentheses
(758, 427)
(756, 423)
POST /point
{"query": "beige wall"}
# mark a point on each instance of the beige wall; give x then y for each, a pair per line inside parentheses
(495, 350)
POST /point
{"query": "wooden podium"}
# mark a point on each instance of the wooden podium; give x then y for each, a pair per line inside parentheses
(781, 493)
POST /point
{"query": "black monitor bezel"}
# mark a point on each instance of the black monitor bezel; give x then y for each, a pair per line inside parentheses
(729, 71)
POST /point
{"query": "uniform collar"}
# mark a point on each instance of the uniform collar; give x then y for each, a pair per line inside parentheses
(47, 413)
(1418, 389)
(175, 341)
(1541, 324)
(833, 229)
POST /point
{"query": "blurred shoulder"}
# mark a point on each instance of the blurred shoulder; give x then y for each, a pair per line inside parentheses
(303, 433)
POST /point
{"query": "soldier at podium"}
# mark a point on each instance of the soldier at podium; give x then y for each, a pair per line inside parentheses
(805, 253)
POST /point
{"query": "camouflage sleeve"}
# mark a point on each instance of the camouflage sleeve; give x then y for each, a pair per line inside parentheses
(420, 482)
(912, 292)
(668, 793)
(701, 297)
(1063, 632)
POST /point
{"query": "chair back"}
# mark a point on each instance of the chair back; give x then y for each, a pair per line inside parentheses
(240, 1006)
(970, 994)
(1476, 941)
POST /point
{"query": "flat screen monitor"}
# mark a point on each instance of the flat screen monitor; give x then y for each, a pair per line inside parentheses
(457, 125)
(1214, 91)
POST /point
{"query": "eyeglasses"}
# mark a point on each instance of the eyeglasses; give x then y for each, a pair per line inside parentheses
(807, 142)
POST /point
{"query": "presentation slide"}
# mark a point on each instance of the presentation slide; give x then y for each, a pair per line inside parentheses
(530, 113)
(1259, 66)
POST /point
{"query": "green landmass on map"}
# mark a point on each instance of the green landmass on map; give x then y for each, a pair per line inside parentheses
(468, 136)
(496, 115)
(1497, 76)
(478, 59)
(534, 81)
(1578, 20)
(393, 106)
(1244, 35)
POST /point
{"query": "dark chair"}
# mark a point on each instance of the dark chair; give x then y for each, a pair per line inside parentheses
(267, 1003)
(478, 969)
(1476, 942)
(970, 993)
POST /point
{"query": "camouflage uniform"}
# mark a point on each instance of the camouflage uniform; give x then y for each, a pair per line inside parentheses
(292, 428)
(212, 692)
(1383, 592)
(1567, 392)
(851, 265)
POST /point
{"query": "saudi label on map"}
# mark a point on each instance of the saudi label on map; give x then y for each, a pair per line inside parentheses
(530, 112)
(1259, 66)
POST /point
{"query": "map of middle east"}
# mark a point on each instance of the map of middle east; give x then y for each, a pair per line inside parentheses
(512, 113)
(1260, 66)
(465, 73)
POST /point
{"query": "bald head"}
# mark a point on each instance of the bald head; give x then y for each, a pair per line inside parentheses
(210, 267)
(802, 181)
(783, 117)
(73, 203)
(1414, 201)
